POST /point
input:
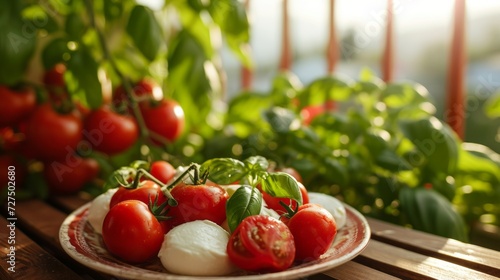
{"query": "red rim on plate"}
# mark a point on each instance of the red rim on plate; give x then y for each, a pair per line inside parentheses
(84, 245)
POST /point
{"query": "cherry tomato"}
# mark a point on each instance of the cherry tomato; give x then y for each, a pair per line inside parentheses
(147, 190)
(54, 77)
(274, 202)
(109, 132)
(70, 176)
(143, 89)
(165, 118)
(16, 105)
(131, 232)
(162, 170)
(53, 135)
(314, 230)
(54, 81)
(198, 202)
(261, 243)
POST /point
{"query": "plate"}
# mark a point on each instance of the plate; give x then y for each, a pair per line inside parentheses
(84, 245)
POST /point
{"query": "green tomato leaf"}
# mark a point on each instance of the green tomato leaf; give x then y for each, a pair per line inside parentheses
(435, 142)
(246, 201)
(325, 89)
(145, 31)
(85, 83)
(281, 120)
(224, 171)
(17, 43)
(54, 52)
(75, 27)
(113, 9)
(429, 211)
(401, 95)
(37, 17)
(281, 184)
(232, 19)
(335, 171)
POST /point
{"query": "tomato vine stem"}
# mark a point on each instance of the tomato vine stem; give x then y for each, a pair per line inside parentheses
(125, 81)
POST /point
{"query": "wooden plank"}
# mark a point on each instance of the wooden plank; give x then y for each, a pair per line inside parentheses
(468, 255)
(410, 265)
(42, 222)
(355, 271)
(31, 261)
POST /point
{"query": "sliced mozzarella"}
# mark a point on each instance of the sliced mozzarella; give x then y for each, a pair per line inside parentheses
(196, 248)
(99, 208)
(330, 203)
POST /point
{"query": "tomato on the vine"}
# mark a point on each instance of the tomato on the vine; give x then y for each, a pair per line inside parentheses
(261, 243)
(314, 230)
(16, 105)
(164, 118)
(131, 232)
(146, 88)
(53, 135)
(146, 191)
(110, 132)
(162, 170)
(70, 177)
(198, 202)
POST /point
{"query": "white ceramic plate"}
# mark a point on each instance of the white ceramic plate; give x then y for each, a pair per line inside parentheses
(80, 241)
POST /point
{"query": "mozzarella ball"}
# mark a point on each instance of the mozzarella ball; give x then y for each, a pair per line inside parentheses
(196, 248)
(98, 209)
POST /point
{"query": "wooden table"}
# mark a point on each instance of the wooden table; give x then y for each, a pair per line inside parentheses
(393, 251)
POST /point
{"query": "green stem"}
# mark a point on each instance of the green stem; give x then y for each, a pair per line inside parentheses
(126, 83)
(171, 199)
(181, 177)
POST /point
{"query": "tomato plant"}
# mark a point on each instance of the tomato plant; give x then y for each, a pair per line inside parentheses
(71, 176)
(53, 135)
(164, 118)
(131, 232)
(261, 243)
(16, 104)
(162, 170)
(313, 229)
(110, 132)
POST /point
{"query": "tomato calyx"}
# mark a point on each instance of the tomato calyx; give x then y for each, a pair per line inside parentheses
(159, 211)
(129, 177)
(289, 211)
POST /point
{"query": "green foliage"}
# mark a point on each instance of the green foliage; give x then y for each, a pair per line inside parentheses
(375, 149)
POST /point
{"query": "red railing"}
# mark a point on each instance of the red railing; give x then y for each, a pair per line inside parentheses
(455, 93)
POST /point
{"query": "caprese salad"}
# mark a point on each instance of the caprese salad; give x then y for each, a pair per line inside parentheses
(215, 218)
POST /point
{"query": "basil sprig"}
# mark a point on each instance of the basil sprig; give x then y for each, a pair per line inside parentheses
(247, 200)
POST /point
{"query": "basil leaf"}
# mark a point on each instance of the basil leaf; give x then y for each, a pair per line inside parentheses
(17, 43)
(83, 69)
(145, 31)
(246, 201)
(281, 184)
(257, 163)
(224, 170)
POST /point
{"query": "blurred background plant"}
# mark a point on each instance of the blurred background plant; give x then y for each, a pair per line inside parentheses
(143, 82)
